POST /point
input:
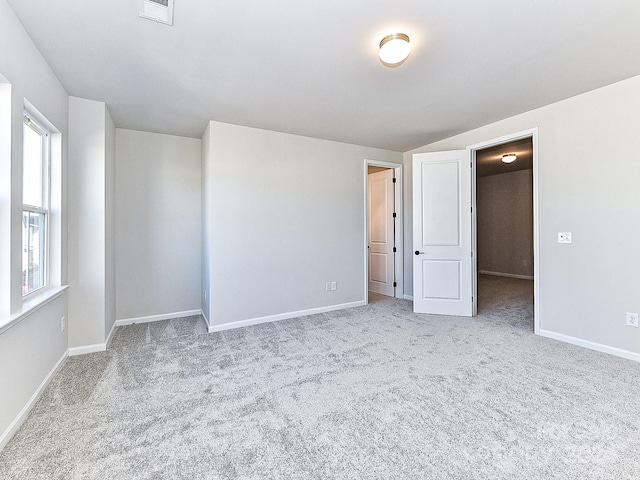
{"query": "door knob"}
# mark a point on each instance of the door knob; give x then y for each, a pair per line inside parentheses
(418, 252)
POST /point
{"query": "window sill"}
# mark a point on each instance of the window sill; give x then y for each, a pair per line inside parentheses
(31, 305)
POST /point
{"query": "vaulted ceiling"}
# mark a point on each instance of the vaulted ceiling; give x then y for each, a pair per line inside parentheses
(311, 68)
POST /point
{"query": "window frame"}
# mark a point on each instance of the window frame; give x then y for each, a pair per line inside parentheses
(45, 164)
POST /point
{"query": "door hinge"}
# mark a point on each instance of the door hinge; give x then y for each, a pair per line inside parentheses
(395, 284)
(394, 179)
(472, 254)
(394, 214)
(394, 249)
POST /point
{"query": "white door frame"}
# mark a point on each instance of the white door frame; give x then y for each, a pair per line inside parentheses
(399, 242)
(533, 134)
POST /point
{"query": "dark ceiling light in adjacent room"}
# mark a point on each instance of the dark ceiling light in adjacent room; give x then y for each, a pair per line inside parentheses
(394, 49)
(509, 158)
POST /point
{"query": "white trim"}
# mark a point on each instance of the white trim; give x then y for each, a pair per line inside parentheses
(206, 320)
(157, 318)
(31, 305)
(283, 316)
(83, 350)
(533, 133)
(110, 336)
(408, 297)
(101, 347)
(24, 413)
(399, 237)
(599, 347)
(510, 275)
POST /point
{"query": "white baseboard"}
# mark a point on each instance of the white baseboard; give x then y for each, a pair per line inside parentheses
(510, 275)
(282, 316)
(156, 318)
(24, 413)
(110, 336)
(206, 320)
(408, 297)
(618, 352)
(83, 350)
(101, 347)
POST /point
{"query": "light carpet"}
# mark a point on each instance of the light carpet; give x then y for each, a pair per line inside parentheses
(375, 392)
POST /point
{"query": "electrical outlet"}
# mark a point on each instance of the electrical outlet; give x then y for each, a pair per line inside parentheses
(334, 286)
(62, 323)
(328, 286)
(632, 319)
(524, 263)
(564, 237)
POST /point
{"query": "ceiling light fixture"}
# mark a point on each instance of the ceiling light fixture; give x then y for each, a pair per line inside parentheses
(394, 49)
(510, 157)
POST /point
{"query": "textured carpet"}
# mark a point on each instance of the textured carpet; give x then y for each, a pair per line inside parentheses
(367, 393)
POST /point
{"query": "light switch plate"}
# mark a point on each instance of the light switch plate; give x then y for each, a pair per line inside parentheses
(564, 237)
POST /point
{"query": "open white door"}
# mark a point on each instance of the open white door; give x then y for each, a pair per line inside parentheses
(442, 260)
(381, 232)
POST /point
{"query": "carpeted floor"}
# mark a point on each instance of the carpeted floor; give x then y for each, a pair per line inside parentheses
(367, 393)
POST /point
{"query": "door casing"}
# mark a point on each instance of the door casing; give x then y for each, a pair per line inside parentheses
(533, 134)
(382, 203)
(399, 256)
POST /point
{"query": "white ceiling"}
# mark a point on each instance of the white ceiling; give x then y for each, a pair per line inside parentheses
(311, 68)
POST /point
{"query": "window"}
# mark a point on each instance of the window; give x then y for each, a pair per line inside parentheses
(35, 204)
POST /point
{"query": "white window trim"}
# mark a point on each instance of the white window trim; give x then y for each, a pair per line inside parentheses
(31, 122)
(37, 299)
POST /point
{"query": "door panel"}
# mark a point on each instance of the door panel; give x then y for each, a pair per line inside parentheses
(378, 267)
(441, 279)
(441, 192)
(442, 233)
(381, 232)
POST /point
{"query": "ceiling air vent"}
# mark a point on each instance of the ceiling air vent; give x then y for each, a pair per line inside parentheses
(159, 10)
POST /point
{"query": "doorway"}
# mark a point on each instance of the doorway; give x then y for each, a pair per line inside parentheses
(505, 223)
(383, 231)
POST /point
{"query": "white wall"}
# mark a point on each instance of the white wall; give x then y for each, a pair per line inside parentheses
(158, 235)
(286, 215)
(110, 225)
(88, 216)
(31, 348)
(505, 223)
(5, 196)
(588, 176)
(205, 222)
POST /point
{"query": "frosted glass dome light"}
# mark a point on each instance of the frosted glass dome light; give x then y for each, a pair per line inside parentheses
(394, 49)
(511, 157)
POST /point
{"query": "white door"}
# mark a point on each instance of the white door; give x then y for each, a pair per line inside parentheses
(442, 260)
(381, 241)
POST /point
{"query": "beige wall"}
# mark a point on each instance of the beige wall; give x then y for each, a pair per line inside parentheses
(588, 175)
(505, 223)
